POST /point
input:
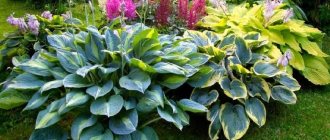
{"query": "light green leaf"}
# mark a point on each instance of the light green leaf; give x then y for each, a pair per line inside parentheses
(291, 41)
(316, 70)
(311, 47)
(11, 98)
(172, 81)
(141, 65)
(76, 98)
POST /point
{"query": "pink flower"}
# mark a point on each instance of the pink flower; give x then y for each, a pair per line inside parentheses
(163, 12)
(115, 7)
(196, 12)
(183, 9)
(288, 15)
(284, 60)
(12, 20)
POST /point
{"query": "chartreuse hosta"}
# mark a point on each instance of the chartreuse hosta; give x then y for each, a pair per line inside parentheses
(108, 85)
(236, 81)
(281, 33)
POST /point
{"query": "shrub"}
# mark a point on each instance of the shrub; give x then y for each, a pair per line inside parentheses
(282, 34)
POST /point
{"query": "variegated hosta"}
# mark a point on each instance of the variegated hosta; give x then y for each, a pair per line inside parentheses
(237, 71)
(283, 34)
(111, 84)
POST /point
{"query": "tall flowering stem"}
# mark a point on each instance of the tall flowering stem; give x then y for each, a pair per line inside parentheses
(196, 12)
(183, 7)
(163, 12)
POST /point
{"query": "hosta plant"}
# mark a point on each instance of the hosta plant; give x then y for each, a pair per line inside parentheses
(105, 86)
(237, 81)
(31, 34)
(273, 21)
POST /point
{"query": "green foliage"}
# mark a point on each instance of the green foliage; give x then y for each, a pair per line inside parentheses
(276, 36)
(240, 89)
(113, 82)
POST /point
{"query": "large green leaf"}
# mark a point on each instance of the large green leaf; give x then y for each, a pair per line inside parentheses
(215, 125)
(203, 97)
(36, 67)
(76, 98)
(284, 95)
(207, 76)
(291, 41)
(46, 118)
(99, 91)
(94, 47)
(107, 135)
(49, 133)
(234, 121)
(125, 123)
(91, 132)
(243, 52)
(80, 123)
(152, 99)
(198, 59)
(71, 61)
(36, 101)
(75, 81)
(165, 67)
(109, 107)
(199, 38)
(192, 106)
(26, 81)
(289, 82)
(112, 40)
(235, 89)
(51, 85)
(11, 98)
(83, 71)
(135, 80)
(311, 47)
(142, 65)
(172, 81)
(265, 69)
(256, 110)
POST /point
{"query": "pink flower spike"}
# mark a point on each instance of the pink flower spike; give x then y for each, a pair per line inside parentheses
(130, 9)
(113, 8)
(183, 9)
(288, 15)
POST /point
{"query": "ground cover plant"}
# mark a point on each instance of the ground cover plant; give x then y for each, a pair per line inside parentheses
(116, 81)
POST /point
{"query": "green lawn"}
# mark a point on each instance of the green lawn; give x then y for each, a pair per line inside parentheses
(308, 119)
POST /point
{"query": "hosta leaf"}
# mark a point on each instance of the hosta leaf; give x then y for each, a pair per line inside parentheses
(235, 89)
(125, 123)
(291, 41)
(107, 135)
(51, 85)
(178, 119)
(259, 87)
(97, 91)
(234, 121)
(229, 39)
(11, 98)
(80, 123)
(59, 41)
(265, 69)
(256, 110)
(93, 131)
(146, 34)
(284, 95)
(135, 80)
(192, 106)
(58, 73)
(94, 47)
(71, 61)
(243, 52)
(46, 118)
(35, 67)
(36, 101)
(26, 81)
(143, 66)
(215, 125)
(172, 81)
(239, 68)
(316, 70)
(311, 47)
(206, 76)
(49, 133)
(109, 107)
(289, 82)
(215, 52)
(76, 98)
(150, 133)
(75, 81)
(152, 99)
(112, 40)
(83, 71)
(199, 38)
(203, 97)
(297, 60)
(164, 67)
(198, 59)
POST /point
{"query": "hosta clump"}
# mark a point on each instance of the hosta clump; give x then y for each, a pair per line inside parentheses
(274, 22)
(112, 83)
(236, 81)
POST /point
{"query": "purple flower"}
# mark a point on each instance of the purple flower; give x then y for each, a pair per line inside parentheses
(288, 15)
(270, 6)
(114, 8)
(219, 4)
(284, 60)
(22, 25)
(33, 24)
(47, 15)
(12, 20)
(67, 15)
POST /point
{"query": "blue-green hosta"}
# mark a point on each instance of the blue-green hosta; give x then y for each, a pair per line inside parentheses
(281, 34)
(112, 84)
(236, 81)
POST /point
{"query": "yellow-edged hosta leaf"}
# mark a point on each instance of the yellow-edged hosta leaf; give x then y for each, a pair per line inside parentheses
(316, 71)
(311, 47)
(274, 36)
(239, 68)
(274, 52)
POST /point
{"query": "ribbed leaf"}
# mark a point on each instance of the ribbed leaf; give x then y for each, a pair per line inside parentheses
(97, 91)
(109, 107)
(235, 89)
(135, 80)
(256, 110)
(284, 95)
(125, 123)
(80, 123)
(75, 81)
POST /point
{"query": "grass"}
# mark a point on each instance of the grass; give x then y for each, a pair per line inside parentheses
(308, 119)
